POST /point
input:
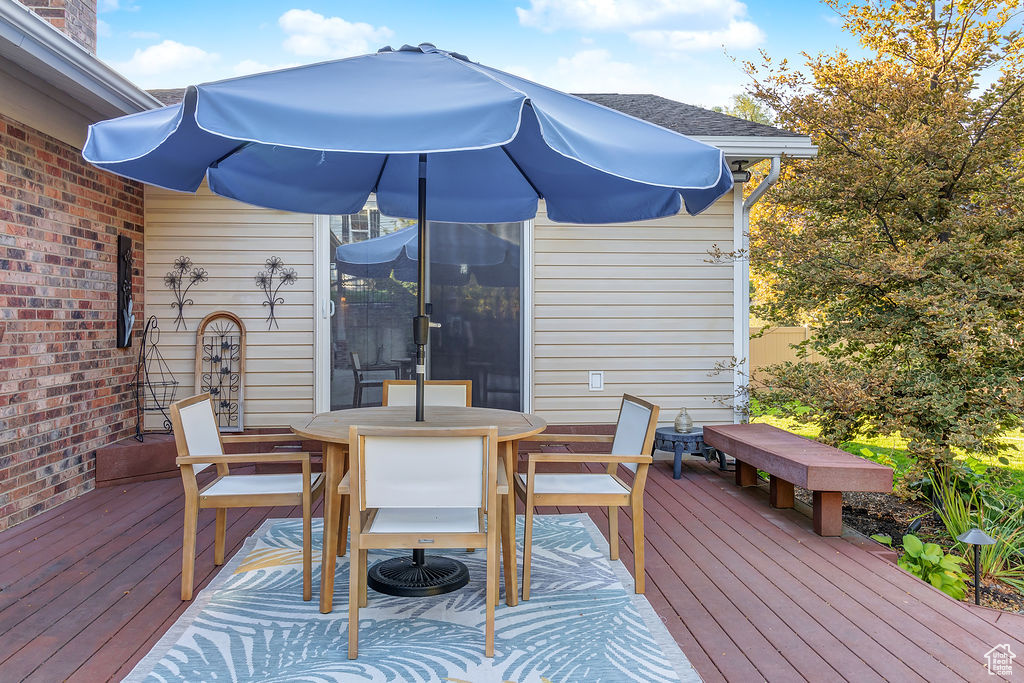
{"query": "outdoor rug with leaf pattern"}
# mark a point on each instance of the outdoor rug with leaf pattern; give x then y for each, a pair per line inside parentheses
(582, 623)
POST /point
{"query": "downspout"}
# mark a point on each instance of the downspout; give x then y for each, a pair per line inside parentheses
(762, 187)
(742, 300)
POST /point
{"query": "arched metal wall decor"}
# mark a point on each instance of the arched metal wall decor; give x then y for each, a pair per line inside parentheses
(220, 366)
(155, 384)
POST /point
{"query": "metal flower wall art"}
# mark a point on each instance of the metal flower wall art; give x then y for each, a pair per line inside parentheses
(184, 277)
(270, 281)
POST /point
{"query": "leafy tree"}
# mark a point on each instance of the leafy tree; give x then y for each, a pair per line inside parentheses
(746, 107)
(903, 242)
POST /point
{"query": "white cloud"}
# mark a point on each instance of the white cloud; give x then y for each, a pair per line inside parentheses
(169, 64)
(103, 29)
(669, 26)
(314, 35)
(144, 35)
(251, 66)
(738, 35)
(595, 71)
(606, 15)
(598, 71)
(115, 5)
(167, 56)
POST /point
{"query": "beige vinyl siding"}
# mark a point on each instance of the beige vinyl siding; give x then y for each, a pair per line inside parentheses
(232, 241)
(642, 303)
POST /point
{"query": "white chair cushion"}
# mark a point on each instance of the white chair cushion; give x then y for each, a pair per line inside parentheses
(417, 472)
(433, 395)
(425, 521)
(631, 430)
(599, 484)
(259, 484)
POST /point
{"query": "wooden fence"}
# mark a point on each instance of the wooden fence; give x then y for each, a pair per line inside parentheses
(774, 346)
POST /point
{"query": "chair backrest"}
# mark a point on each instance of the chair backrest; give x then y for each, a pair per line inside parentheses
(357, 367)
(195, 428)
(436, 392)
(423, 467)
(634, 431)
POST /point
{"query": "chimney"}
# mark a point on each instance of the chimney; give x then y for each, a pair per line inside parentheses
(75, 18)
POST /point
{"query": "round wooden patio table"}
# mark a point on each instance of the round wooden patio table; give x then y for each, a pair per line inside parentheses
(332, 430)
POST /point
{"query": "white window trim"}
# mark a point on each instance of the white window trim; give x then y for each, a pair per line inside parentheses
(321, 315)
(526, 313)
(741, 299)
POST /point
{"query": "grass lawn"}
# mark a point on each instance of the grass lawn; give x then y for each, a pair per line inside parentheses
(894, 449)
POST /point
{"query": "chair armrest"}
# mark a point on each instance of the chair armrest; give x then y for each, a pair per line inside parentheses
(570, 438)
(261, 438)
(343, 487)
(242, 458)
(589, 457)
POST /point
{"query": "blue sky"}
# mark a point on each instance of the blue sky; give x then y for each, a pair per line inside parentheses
(682, 49)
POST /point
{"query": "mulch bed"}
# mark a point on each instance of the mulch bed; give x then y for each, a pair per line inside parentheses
(883, 513)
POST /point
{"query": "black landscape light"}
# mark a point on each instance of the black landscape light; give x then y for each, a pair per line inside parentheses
(977, 538)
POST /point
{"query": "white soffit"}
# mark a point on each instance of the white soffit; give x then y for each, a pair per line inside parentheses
(34, 46)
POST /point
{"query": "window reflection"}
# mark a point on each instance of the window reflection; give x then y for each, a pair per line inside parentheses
(475, 279)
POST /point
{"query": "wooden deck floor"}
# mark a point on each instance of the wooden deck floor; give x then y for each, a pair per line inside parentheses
(748, 592)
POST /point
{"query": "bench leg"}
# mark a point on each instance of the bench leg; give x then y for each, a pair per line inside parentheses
(746, 475)
(828, 513)
(780, 492)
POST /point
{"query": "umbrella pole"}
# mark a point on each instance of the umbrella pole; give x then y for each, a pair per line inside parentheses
(421, 323)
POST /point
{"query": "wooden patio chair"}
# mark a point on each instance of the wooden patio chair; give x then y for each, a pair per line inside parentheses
(436, 392)
(631, 447)
(200, 444)
(360, 381)
(417, 487)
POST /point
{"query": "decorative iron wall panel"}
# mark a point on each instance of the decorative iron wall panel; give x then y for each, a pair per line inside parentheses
(220, 367)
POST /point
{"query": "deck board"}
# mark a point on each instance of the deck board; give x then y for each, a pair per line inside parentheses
(821, 588)
(747, 591)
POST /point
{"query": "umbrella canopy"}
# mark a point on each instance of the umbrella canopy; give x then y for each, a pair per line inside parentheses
(456, 250)
(321, 138)
(435, 136)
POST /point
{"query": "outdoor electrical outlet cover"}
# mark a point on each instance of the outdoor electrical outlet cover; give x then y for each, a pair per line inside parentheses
(597, 380)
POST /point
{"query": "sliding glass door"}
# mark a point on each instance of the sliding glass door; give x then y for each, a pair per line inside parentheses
(475, 276)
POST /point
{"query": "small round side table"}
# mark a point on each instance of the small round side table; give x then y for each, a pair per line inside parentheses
(692, 442)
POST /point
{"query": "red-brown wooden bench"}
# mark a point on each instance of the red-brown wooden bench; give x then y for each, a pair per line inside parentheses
(794, 460)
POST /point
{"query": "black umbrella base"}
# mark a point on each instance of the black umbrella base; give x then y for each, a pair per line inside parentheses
(406, 577)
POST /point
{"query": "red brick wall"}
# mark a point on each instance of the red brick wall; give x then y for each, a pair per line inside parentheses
(65, 387)
(76, 18)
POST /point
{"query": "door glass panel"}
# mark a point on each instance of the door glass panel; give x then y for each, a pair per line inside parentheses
(371, 317)
(475, 277)
(478, 306)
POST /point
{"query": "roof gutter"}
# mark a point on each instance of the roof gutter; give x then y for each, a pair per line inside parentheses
(33, 44)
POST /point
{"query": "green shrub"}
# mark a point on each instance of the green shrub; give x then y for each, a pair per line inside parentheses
(1005, 523)
(973, 481)
(927, 562)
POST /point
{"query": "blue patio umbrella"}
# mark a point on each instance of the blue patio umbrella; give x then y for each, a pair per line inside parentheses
(457, 250)
(435, 136)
